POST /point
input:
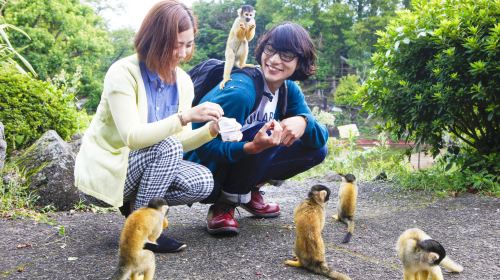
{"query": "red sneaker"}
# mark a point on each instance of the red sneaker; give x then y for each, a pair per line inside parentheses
(259, 208)
(220, 219)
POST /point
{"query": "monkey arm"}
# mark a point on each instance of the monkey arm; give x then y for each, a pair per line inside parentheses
(250, 32)
(241, 32)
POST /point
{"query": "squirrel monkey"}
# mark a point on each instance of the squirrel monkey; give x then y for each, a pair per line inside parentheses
(143, 225)
(242, 31)
(421, 256)
(309, 218)
(348, 194)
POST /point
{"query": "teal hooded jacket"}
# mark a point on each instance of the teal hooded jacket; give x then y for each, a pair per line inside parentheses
(237, 99)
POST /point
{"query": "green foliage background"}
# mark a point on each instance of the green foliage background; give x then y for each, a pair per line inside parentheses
(436, 70)
(30, 107)
(64, 34)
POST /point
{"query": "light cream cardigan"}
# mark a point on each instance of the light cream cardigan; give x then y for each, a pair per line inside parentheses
(120, 124)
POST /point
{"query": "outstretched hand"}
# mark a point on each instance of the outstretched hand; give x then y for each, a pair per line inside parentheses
(204, 112)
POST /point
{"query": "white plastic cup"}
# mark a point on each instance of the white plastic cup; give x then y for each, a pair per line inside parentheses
(229, 129)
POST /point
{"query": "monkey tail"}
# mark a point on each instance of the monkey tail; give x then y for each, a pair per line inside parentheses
(328, 272)
(295, 263)
(350, 230)
(451, 265)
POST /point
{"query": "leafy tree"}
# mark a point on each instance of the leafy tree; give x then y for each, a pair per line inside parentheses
(437, 70)
(370, 8)
(123, 43)
(64, 34)
(361, 40)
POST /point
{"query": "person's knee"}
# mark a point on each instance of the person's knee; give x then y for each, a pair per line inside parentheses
(321, 154)
(170, 145)
(317, 156)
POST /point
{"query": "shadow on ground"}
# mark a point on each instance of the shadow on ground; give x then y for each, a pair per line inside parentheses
(468, 226)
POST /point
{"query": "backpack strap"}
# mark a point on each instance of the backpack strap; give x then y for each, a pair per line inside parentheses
(258, 80)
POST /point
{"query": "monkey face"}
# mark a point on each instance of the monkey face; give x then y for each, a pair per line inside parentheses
(247, 13)
(248, 16)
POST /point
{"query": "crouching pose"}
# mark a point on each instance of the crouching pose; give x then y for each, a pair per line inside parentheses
(281, 138)
(132, 150)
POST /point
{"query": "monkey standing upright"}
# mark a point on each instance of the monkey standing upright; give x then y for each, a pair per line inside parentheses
(421, 256)
(242, 31)
(346, 208)
(309, 218)
(143, 225)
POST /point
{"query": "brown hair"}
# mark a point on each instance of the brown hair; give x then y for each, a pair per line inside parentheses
(293, 38)
(157, 38)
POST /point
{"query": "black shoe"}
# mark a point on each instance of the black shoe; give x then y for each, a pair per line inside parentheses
(125, 209)
(165, 245)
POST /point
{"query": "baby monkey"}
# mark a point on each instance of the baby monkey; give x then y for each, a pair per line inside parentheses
(309, 218)
(242, 31)
(421, 256)
(143, 225)
(348, 195)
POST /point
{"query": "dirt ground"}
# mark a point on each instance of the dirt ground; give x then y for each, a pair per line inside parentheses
(468, 226)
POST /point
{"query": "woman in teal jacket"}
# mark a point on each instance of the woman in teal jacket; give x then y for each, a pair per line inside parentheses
(281, 138)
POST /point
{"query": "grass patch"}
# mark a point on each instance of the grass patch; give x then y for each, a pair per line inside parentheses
(346, 157)
(17, 201)
(366, 164)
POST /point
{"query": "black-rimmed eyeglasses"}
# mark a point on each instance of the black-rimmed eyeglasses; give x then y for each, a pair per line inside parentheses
(286, 56)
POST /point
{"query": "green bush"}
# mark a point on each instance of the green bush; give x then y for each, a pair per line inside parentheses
(348, 91)
(29, 107)
(436, 70)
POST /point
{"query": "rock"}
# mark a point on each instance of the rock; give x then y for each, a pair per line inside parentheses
(49, 164)
(75, 143)
(3, 147)
(331, 176)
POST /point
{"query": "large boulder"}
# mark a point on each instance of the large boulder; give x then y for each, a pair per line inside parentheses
(3, 147)
(49, 164)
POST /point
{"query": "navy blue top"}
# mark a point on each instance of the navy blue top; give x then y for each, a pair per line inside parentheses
(163, 98)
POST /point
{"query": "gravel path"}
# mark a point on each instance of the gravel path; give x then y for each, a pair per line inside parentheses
(468, 226)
